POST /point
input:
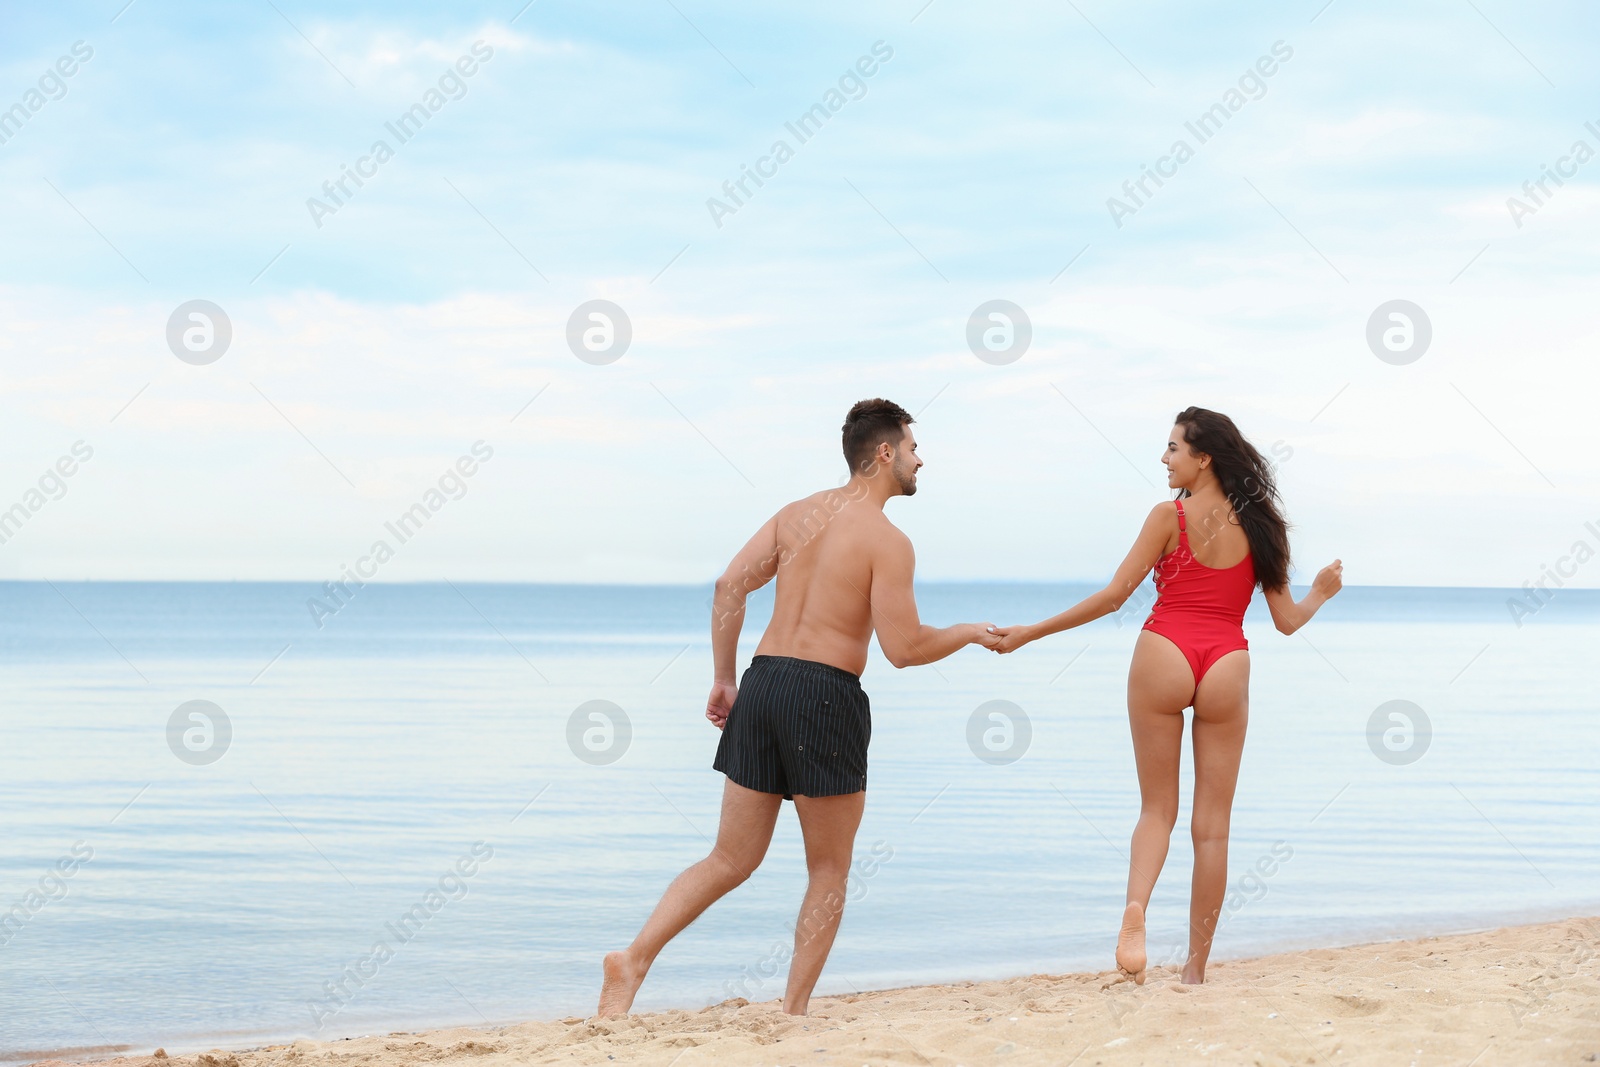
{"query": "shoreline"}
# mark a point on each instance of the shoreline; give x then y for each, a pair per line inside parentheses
(1486, 997)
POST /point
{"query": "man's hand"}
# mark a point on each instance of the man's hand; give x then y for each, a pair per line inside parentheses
(1329, 580)
(985, 635)
(720, 702)
(1009, 638)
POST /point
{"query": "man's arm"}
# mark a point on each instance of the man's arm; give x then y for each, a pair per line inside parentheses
(752, 568)
(905, 641)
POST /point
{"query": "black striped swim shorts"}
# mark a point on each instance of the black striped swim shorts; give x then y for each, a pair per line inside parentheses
(798, 728)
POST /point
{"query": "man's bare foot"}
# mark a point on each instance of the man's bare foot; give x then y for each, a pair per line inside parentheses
(622, 981)
(1130, 943)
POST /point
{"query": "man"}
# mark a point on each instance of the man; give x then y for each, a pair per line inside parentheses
(799, 728)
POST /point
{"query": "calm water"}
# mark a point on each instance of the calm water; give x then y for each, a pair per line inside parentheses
(413, 757)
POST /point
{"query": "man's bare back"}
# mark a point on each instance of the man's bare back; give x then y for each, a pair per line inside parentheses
(827, 544)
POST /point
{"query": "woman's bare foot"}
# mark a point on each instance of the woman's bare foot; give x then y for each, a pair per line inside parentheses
(622, 981)
(1194, 973)
(1131, 958)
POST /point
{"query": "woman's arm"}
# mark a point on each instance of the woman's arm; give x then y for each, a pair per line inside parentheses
(1288, 616)
(1159, 527)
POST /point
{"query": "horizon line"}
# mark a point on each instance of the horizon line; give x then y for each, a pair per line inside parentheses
(696, 585)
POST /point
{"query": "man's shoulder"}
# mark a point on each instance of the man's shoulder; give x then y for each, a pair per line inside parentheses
(828, 504)
(833, 501)
(891, 536)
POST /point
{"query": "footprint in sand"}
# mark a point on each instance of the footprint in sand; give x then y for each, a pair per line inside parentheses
(1349, 1004)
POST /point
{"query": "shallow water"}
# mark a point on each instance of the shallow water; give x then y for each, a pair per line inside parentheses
(209, 903)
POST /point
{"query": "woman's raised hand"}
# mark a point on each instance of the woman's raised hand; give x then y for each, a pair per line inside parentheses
(1329, 580)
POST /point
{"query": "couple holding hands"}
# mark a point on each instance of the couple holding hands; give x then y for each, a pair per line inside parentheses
(797, 725)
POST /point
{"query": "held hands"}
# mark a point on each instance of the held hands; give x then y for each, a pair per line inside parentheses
(1008, 638)
(720, 702)
(983, 633)
(1329, 580)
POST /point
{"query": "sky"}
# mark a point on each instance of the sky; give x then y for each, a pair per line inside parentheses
(380, 332)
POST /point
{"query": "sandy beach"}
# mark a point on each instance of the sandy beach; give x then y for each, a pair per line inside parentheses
(1516, 995)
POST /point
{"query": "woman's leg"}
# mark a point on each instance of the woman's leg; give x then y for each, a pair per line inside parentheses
(1221, 712)
(1160, 683)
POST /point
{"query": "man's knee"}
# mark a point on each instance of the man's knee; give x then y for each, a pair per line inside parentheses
(734, 869)
(829, 873)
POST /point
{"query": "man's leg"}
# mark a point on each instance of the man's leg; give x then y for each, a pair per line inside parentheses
(742, 837)
(829, 826)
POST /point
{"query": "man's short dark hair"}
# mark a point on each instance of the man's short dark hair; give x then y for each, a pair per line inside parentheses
(869, 424)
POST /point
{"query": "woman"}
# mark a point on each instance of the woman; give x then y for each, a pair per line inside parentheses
(1224, 535)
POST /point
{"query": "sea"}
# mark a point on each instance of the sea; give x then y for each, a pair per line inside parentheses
(238, 814)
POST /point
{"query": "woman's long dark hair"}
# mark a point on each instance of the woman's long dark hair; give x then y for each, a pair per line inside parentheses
(1248, 483)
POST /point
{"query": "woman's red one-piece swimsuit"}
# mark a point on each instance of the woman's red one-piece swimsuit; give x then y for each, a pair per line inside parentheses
(1200, 609)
